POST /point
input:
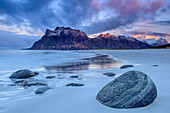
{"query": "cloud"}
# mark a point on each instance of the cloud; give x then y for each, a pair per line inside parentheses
(162, 23)
(149, 33)
(90, 16)
(127, 12)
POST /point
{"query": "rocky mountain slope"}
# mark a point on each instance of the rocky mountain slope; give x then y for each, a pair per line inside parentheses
(66, 38)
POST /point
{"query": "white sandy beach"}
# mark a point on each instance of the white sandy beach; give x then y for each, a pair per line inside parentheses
(64, 99)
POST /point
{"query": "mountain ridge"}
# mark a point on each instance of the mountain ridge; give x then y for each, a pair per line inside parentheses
(66, 38)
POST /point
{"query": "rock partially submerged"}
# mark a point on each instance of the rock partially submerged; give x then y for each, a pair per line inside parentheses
(22, 74)
(50, 77)
(126, 66)
(75, 76)
(109, 74)
(154, 65)
(42, 90)
(133, 89)
(36, 73)
(34, 83)
(75, 84)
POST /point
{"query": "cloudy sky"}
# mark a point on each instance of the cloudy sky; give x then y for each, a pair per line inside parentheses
(24, 21)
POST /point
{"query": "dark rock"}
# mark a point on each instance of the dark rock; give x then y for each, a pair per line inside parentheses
(36, 73)
(109, 74)
(126, 66)
(133, 89)
(19, 81)
(28, 84)
(12, 85)
(75, 84)
(22, 74)
(74, 76)
(154, 65)
(69, 39)
(42, 90)
(50, 77)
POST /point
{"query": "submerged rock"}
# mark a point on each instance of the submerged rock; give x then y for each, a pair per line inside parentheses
(36, 73)
(11, 85)
(154, 65)
(50, 77)
(28, 84)
(75, 84)
(126, 66)
(42, 90)
(109, 74)
(133, 89)
(22, 74)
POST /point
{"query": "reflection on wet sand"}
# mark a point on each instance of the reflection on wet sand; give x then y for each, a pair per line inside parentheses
(93, 63)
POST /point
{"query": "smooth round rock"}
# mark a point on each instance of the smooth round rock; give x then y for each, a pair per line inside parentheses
(126, 66)
(109, 74)
(133, 89)
(22, 74)
(42, 90)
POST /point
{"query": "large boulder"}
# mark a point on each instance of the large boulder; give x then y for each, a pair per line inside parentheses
(22, 74)
(133, 89)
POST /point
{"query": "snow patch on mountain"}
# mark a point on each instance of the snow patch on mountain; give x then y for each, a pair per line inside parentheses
(154, 42)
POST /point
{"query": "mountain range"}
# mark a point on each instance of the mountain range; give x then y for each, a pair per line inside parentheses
(153, 42)
(66, 38)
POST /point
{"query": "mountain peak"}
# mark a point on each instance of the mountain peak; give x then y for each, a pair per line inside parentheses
(64, 31)
(154, 42)
(106, 35)
(66, 38)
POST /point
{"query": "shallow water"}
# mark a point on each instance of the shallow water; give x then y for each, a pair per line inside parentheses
(61, 64)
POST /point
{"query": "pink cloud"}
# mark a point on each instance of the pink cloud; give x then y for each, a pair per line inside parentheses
(127, 7)
(96, 6)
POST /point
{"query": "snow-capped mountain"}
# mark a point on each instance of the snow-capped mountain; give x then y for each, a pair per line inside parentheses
(66, 38)
(154, 42)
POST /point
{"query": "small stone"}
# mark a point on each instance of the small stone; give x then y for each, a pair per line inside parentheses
(75, 84)
(36, 73)
(126, 66)
(61, 77)
(42, 90)
(154, 65)
(50, 77)
(109, 74)
(74, 76)
(25, 83)
(19, 81)
(12, 85)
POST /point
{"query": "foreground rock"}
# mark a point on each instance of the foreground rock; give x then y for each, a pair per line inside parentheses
(22, 74)
(42, 90)
(126, 66)
(75, 84)
(133, 89)
(109, 74)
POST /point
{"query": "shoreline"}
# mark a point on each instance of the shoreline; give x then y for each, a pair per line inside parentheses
(82, 99)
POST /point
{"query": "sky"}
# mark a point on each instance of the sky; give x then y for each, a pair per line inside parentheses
(22, 22)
